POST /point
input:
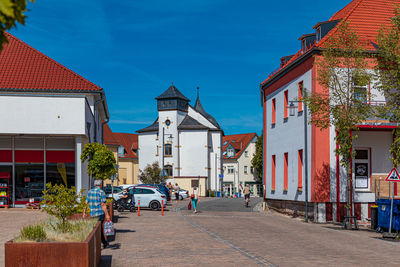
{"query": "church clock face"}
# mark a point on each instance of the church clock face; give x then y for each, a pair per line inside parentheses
(168, 122)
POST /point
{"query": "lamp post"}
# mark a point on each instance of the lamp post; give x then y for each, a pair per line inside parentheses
(292, 111)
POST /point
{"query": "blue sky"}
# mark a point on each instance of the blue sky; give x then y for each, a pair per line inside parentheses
(134, 49)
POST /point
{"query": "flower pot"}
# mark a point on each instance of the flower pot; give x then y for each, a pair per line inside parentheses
(68, 254)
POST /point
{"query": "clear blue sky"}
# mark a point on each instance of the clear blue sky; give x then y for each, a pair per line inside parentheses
(134, 49)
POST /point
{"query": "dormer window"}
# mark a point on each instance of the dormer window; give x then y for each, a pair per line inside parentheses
(318, 32)
(231, 152)
(121, 151)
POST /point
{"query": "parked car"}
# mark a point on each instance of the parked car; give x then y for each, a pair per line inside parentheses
(183, 194)
(108, 190)
(150, 197)
(163, 189)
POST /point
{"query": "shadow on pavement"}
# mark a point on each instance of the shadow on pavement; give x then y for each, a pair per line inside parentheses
(105, 261)
(124, 231)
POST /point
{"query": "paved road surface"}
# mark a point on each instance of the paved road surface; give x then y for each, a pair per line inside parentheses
(238, 237)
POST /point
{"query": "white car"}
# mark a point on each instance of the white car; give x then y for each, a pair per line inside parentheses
(148, 196)
(182, 194)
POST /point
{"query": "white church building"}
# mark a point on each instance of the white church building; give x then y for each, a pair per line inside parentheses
(185, 140)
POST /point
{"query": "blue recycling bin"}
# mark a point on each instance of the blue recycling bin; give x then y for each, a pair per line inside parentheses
(240, 194)
(218, 193)
(384, 214)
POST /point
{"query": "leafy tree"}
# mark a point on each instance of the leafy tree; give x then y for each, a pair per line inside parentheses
(342, 73)
(11, 12)
(257, 160)
(151, 174)
(388, 82)
(61, 202)
(101, 161)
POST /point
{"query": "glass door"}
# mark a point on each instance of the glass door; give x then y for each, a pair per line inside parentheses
(361, 169)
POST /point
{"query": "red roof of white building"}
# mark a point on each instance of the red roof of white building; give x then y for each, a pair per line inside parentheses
(24, 68)
(238, 141)
(366, 17)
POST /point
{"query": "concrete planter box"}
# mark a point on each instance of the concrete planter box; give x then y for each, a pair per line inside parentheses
(68, 254)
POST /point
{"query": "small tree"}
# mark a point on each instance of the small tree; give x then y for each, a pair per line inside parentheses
(388, 82)
(101, 161)
(257, 160)
(61, 202)
(342, 72)
(11, 12)
(151, 174)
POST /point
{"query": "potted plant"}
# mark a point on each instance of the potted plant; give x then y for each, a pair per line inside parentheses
(57, 241)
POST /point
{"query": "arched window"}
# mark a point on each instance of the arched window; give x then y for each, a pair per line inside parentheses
(168, 170)
(167, 150)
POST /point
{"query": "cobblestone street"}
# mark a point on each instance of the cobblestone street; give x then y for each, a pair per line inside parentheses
(214, 237)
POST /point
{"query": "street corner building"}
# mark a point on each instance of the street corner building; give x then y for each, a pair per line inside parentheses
(48, 113)
(238, 152)
(125, 149)
(290, 158)
(185, 141)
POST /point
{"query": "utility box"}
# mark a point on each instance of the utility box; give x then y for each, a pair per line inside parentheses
(384, 213)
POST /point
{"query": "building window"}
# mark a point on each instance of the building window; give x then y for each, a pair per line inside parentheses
(225, 143)
(273, 111)
(318, 34)
(168, 170)
(168, 150)
(231, 169)
(251, 169)
(245, 169)
(246, 154)
(273, 167)
(285, 172)
(360, 90)
(231, 152)
(300, 169)
(300, 96)
(285, 102)
(121, 151)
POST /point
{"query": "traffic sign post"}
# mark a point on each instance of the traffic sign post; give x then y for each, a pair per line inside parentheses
(392, 178)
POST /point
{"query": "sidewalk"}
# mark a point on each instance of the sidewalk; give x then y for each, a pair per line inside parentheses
(12, 220)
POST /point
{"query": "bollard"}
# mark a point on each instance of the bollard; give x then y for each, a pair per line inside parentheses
(138, 208)
(162, 207)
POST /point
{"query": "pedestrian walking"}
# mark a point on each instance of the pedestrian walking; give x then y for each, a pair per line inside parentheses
(169, 186)
(96, 199)
(176, 189)
(246, 192)
(195, 199)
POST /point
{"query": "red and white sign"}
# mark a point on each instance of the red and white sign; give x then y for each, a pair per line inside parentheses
(393, 176)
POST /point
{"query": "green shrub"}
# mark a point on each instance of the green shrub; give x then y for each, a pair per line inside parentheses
(61, 202)
(33, 233)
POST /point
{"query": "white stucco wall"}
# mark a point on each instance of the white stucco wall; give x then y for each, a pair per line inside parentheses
(197, 116)
(147, 149)
(194, 153)
(42, 115)
(287, 136)
(215, 159)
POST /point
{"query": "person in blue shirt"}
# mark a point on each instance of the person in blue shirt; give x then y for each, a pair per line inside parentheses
(96, 199)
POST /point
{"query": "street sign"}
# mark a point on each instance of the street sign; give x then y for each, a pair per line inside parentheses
(393, 176)
(221, 176)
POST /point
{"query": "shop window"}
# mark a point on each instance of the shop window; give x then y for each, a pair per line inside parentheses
(29, 182)
(168, 150)
(60, 173)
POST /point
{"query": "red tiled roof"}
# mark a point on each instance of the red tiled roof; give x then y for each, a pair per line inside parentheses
(108, 137)
(129, 142)
(366, 17)
(238, 141)
(23, 67)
